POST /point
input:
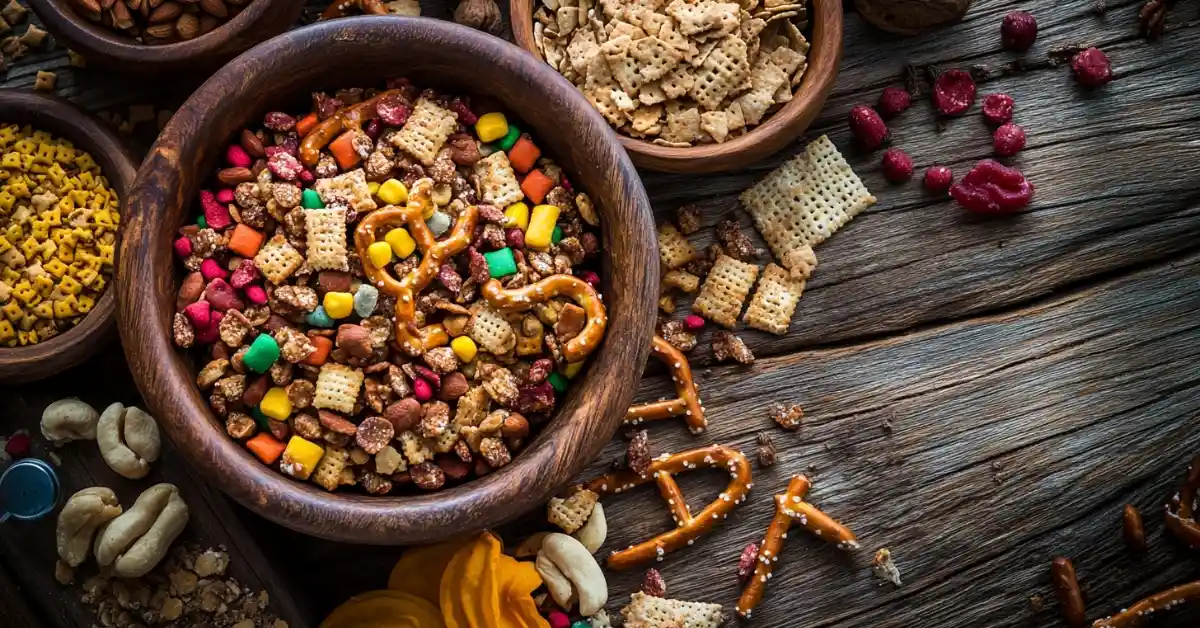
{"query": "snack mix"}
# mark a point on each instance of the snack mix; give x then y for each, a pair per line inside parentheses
(388, 290)
(58, 225)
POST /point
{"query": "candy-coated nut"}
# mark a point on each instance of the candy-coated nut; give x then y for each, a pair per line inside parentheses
(464, 348)
(510, 138)
(517, 216)
(256, 295)
(275, 404)
(225, 196)
(183, 247)
(262, 354)
(501, 263)
(211, 269)
(556, 235)
(238, 157)
(422, 390)
(392, 192)
(572, 369)
(541, 226)
(401, 242)
(338, 304)
(438, 222)
(558, 382)
(559, 619)
(366, 297)
(581, 624)
(380, 254)
(309, 199)
(300, 458)
(319, 318)
(199, 313)
(693, 323)
(491, 127)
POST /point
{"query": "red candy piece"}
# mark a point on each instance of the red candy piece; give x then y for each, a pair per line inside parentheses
(938, 179)
(1092, 68)
(212, 333)
(992, 188)
(18, 445)
(693, 323)
(256, 295)
(211, 269)
(1018, 31)
(215, 214)
(245, 274)
(559, 619)
(893, 101)
(897, 165)
(953, 92)
(183, 247)
(1008, 140)
(285, 166)
(199, 313)
(422, 390)
(393, 110)
(868, 127)
(238, 157)
(225, 196)
(997, 109)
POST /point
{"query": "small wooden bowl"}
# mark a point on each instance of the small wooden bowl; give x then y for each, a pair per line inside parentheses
(781, 128)
(48, 113)
(260, 20)
(363, 51)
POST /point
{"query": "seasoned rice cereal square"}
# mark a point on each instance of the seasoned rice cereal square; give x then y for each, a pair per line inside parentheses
(277, 260)
(571, 513)
(674, 250)
(645, 611)
(498, 182)
(724, 290)
(337, 387)
(774, 302)
(326, 235)
(426, 131)
(491, 331)
(328, 473)
(350, 188)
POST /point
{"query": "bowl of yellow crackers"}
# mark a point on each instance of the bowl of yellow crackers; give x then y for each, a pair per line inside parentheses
(692, 86)
(64, 176)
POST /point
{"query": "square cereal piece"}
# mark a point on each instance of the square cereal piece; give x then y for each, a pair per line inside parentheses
(683, 124)
(806, 200)
(349, 188)
(337, 387)
(426, 131)
(724, 290)
(674, 250)
(726, 68)
(328, 473)
(571, 513)
(645, 611)
(715, 124)
(277, 259)
(654, 57)
(326, 229)
(497, 181)
(491, 331)
(774, 302)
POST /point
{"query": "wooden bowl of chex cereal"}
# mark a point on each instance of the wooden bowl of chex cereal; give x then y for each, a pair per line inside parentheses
(692, 86)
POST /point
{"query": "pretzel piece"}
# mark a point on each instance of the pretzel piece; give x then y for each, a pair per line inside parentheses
(341, 8)
(434, 253)
(1066, 586)
(688, 401)
(1137, 614)
(1179, 511)
(689, 527)
(521, 299)
(351, 117)
(771, 545)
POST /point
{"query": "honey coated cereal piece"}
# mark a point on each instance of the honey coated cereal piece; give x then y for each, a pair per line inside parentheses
(497, 182)
(727, 346)
(328, 473)
(571, 513)
(774, 301)
(326, 233)
(682, 280)
(277, 260)
(426, 131)
(416, 449)
(724, 290)
(788, 417)
(337, 387)
(349, 189)
(674, 250)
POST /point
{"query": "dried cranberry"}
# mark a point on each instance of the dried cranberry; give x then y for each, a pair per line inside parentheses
(279, 121)
(997, 109)
(307, 176)
(893, 101)
(514, 238)
(1018, 31)
(746, 562)
(245, 274)
(393, 110)
(285, 166)
(590, 277)
(953, 92)
(291, 143)
(373, 129)
(428, 375)
(462, 107)
(938, 179)
(535, 399)
(1008, 140)
(868, 127)
(992, 188)
(18, 445)
(1092, 67)
(897, 165)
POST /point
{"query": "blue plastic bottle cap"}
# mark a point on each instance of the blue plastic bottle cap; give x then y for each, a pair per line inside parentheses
(28, 490)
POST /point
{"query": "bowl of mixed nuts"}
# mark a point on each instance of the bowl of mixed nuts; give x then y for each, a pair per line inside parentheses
(64, 177)
(149, 36)
(382, 303)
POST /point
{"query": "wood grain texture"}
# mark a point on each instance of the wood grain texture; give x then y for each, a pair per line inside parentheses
(27, 549)
(24, 364)
(774, 133)
(359, 51)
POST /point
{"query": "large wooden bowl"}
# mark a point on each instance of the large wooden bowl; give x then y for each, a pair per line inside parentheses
(260, 20)
(26, 364)
(362, 52)
(775, 132)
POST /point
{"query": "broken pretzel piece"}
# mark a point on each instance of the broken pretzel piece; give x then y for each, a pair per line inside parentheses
(688, 401)
(585, 296)
(1136, 615)
(1180, 511)
(689, 527)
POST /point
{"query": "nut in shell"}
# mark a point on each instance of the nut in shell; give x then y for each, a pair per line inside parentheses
(136, 541)
(66, 420)
(85, 511)
(128, 439)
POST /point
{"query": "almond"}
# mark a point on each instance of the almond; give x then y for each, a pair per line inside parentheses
(121, 17)
(215, 8)
(234, 176)
(252, 144)
(165, 30)
(134, 5)
(107, 4)
(90, 6)
(166, 12)
(208, 23)
(187, 26)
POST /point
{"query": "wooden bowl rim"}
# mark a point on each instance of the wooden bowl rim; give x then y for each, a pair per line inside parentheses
(53, 114)
(825, 53)
(145, 300)
(92, 39)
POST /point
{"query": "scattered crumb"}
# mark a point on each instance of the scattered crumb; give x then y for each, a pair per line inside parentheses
(688, 218)
(1037, 603)
(34, 37)
(64, 573)
(45, 81)
(76, 60)
(766, 449)
(884, 568)
(789, 418)
(55, 458)
(726, 345)
(14, 13)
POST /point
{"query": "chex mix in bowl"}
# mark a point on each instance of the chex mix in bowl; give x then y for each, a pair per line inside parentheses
(391, 289)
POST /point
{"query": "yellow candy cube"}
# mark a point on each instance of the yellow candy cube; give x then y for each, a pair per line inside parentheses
(338, 304)
(380, 254)
(491, 127)
(276, 404)
(401, 242)
(517, 216)
(300, 458)
(393, 192)
(464, 348)
(541, 226)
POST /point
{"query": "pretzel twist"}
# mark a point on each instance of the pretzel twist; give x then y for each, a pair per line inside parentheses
(1066, 586)
(1137, 614)
(689, 527)
(434, 253)
(1180, 510)
(687, 402)
(585, 296)
(351, 117)
(771, 545)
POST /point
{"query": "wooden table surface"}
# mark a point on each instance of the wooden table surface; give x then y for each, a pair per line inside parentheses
(980, 395)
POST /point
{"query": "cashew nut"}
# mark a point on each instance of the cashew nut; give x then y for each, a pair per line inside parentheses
(128, 439)
(530, 546)
(593, 533)
(577, 564)
(66, 420)
(77, 522)
(136, 541)
(556, 583)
